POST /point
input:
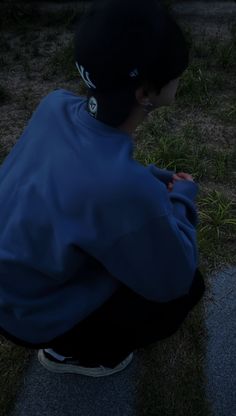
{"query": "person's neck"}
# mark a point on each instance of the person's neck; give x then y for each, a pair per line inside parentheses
(132, 122)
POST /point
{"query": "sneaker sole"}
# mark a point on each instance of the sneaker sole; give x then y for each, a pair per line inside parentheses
(76, 369)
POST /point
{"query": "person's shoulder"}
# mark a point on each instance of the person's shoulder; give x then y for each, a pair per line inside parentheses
(59, 95)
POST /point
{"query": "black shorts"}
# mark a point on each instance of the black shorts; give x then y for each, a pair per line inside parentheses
(124, 323)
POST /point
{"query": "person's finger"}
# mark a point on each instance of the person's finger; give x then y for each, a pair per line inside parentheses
(176, 177)
(187, 176)
(182, 174)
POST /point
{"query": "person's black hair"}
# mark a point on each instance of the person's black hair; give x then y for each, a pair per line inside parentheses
(164, 58)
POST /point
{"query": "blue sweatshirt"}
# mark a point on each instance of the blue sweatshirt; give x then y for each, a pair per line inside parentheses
(79, 216)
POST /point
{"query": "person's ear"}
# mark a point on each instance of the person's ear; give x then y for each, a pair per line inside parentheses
(142, 96)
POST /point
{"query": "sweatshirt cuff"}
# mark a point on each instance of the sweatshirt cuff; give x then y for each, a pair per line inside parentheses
(182, 198)
(187, 188)
(163, 175)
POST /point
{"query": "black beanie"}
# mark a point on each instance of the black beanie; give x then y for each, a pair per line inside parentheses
(119, 43)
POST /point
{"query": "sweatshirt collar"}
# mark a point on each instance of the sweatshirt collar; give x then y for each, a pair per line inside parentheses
(93, 123)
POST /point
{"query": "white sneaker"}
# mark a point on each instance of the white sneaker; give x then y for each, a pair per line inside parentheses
(73, 366)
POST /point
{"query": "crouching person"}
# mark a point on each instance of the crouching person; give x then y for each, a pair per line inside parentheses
(98, 253)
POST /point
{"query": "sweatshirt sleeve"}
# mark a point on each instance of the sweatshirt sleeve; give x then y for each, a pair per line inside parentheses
(158, 260)
(163, 175)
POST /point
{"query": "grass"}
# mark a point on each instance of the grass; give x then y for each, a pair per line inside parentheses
(24, 17)
(172, 382)
(218, 215)
(233, 33)
(216, 229)
(218, 53)
(188, 150)
(13, 361)
(14, 16)
(227, 114)
(177, 153)
(211, 61)
(2, 153)
(25, 102)
(221, 165)
(61, 64)
(4, 95)
(5, 48)
(182, 151)
(197, 87)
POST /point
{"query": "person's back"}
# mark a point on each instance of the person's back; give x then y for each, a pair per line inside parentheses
(56, 190)
(81, 219)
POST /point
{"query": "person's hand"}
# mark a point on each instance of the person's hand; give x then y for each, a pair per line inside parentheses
(179, 177)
